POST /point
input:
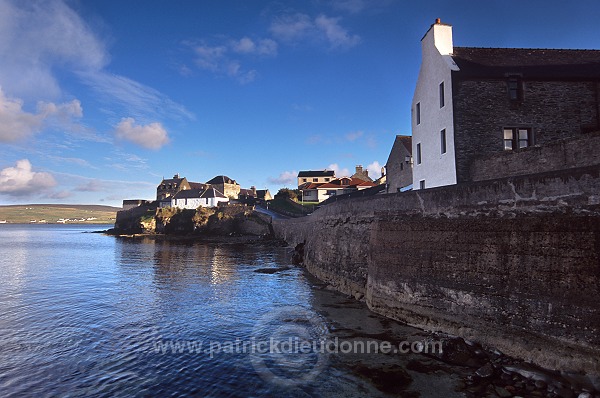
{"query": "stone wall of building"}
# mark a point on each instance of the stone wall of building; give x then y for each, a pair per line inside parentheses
(512, 263)
(554, 110)
(562, 154)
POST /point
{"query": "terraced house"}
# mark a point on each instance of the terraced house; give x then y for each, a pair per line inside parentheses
(474, 105)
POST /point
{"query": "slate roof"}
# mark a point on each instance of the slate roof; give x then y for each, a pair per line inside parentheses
(189, 194)
(528, 62)
(316, 173)
(172, 181)
(221, 180)
(197, 185)
(212, 193)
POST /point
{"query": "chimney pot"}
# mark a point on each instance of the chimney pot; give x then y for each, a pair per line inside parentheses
(438, 21)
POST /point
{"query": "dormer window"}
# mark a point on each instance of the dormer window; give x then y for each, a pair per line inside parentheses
(515, 88)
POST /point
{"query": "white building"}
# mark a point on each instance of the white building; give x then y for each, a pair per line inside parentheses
(194, 198)
(432, 113)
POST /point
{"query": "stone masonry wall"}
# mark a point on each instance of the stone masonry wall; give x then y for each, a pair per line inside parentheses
(559, 155)
(512, 263)
(554, 110)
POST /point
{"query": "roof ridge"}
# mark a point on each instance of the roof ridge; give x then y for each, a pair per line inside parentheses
(529, 48)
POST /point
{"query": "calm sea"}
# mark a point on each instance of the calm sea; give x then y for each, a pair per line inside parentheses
(84, 314)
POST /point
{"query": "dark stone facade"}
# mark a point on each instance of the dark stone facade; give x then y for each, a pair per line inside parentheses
(554, 110)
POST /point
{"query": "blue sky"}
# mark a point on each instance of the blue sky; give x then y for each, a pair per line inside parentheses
(101, 99)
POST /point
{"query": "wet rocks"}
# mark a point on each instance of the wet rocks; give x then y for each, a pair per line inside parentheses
(390, 378)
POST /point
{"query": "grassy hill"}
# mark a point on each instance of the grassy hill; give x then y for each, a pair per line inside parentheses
(90, 214)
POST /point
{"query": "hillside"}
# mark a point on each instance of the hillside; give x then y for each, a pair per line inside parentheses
(52, 213)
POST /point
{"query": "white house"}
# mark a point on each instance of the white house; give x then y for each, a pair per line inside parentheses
(194, 198)
(432, 123)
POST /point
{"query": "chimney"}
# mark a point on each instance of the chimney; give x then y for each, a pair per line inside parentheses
(383, 171)
(176, 176)
(359, 169)
(253, 188)
(439, 36)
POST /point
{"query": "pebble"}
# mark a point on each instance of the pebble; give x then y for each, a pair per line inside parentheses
(503, 393)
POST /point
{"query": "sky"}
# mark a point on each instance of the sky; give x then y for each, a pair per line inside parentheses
(101, 99)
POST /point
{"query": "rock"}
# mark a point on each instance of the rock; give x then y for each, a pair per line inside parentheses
(565, 393)
(503, 393)
(485, 372)
(391, 379)
(358, 295)
(456, 352)
(584, 395)
(540, 384)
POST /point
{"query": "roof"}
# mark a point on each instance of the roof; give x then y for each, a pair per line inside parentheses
(197, 185)
(212, 193)
(316, 173)
(199, 193)
(172, 181)
(188, 194)
(337, 184)
(262, 193)
(528, 62)
(246, 192)
(405, 141)
(221, 180)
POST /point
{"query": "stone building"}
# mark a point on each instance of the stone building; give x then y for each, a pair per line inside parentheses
(473, 103)
(225, 185)
(361, 174)
(194, 198)
(315, 176)
(171, 186)
(399, 166)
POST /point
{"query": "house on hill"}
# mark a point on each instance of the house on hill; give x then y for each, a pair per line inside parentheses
(475, 103)
(361, 174)
(226, 186)
(171, 186)
(318, 192)
(315, 176)
(194, 198)
(399, 166)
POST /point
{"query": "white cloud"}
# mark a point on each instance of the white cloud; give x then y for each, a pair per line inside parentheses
(248, 46)
(374, 169)
(291, 28)
(285, 178)
(137, 99)
(21, 180)
(16, 123)
(300, 27)
(222, 58)
(34, 37)
(338, 37)
(339, 172)
(91, 186)
(38, 39)
(353, 136)
(151, 136)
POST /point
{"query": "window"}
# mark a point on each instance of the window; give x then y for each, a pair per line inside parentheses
(517, 138)
(419, 153)
(422, 184)
(401, 166)
(331, 192)
(315, 180)
(327, 179)
(304, 180)
(443, 140)
(442, 95)
(418, 111)
(515, 88)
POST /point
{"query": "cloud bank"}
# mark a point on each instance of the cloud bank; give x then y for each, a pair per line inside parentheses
(150, 136)
(21, 180)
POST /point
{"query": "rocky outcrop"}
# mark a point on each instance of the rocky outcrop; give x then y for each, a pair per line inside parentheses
(513, 263)
(222, 221)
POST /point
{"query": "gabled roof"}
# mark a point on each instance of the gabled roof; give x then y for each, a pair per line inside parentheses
(246, 192)
(197, 185)
(262, 193)
(316, 173)
(221, 180)
(212, 193)
(171, 181)
(188, 194)
(528, 62)
(405, 141)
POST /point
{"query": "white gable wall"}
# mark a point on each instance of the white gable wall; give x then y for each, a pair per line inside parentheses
(436, 169)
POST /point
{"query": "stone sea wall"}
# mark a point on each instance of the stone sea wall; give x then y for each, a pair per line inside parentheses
(512, 263)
